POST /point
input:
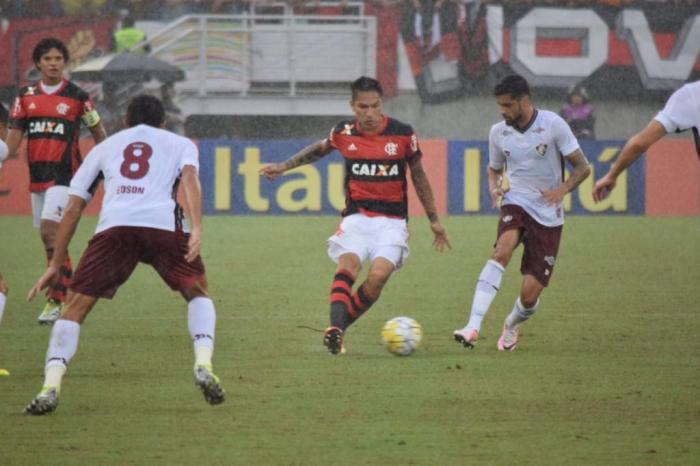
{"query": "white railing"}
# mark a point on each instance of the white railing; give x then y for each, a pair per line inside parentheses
(281, 54)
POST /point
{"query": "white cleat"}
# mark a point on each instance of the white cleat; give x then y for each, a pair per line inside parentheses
(509, 339)
(466, 336)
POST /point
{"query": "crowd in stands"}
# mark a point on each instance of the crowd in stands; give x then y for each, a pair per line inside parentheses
(152, 9)
(167, 9)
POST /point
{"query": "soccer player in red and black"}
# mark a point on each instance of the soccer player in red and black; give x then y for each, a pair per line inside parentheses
(50, 112)
(377, 150)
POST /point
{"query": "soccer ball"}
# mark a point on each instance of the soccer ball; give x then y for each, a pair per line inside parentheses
(401, 335)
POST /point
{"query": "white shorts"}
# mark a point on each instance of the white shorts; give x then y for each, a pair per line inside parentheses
(49, 204)
(370, 238)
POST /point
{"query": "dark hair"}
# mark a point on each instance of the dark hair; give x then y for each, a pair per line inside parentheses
(47, 44)
(577, 89)
(145, 109)
(366, 84)
(3, 115)
(514, 85)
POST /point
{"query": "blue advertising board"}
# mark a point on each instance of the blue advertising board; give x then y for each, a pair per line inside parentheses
(232, 185)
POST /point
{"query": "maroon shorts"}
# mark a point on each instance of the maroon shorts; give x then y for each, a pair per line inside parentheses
(112, 255)
(541, 243)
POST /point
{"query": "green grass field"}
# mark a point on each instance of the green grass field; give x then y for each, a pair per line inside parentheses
(607, 372)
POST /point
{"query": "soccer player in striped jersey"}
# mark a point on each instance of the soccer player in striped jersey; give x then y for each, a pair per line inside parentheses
(50, 112)
(378, 151)
(530, 145)
(681, 113)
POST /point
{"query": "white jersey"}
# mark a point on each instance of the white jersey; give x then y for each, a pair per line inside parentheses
(682, 111)
(3, 151)
(141, 168)
(533, 161)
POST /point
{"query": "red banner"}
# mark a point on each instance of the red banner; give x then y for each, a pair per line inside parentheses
(85, 39)
(451, 49)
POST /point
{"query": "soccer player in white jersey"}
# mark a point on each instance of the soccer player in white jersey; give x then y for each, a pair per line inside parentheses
(3, 156)
(3, 296)
(681, 113)
(140, 221)
(529, 145)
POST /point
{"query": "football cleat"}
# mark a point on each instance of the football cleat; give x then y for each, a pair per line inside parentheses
(52, 311)
(210, 385)
(509, 339)
(466, 336)
(44, 403)
(333, 340)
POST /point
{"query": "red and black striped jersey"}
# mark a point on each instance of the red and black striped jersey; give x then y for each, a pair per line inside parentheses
(52, 125)
(375, 166)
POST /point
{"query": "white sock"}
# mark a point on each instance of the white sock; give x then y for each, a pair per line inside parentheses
(520, 314)
(53, 375)
(486, 289)
(3, 298)
(62, 347)
(201, 320)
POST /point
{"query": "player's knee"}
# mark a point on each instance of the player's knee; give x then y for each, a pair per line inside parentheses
(528, 298)
(502, 255)
(350, 262)
(48, 236)
(198, 290)
(375, 284)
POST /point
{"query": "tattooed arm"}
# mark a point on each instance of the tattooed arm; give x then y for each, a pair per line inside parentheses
(425, 194)
(581, 171)
(309, 154)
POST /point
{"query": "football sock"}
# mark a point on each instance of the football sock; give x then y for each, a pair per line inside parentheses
(62, 347)
(361, 302)
(59, 291)
(520, 314)
(341, 299)
(3, 299)
(486, 289)
(201, 321)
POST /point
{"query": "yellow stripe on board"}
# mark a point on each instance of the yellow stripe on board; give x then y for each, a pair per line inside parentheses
(472, 180)
(222, 178)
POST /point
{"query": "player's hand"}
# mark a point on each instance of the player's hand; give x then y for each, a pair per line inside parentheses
(554, 196)
(603, 187)
(194, 244)
(272, 171)
(50, 277)
(496, 195)
(497, 192)
(441, 239)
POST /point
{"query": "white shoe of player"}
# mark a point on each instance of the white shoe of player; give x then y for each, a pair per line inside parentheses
(509, 339)
(466, 336)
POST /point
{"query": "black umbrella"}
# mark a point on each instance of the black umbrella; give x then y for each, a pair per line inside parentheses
(127, 67)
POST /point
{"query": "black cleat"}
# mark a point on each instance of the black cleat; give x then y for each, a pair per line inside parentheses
(333, 340)
(210, 385)
(45, 402)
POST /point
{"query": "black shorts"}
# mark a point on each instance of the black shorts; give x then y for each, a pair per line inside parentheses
(541, 243)
(112, 255)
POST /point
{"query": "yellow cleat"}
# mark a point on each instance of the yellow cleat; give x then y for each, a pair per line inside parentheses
(52, 311)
